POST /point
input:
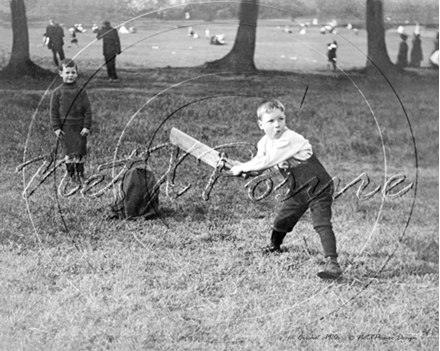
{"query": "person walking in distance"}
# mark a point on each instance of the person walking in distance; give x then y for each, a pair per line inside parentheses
(331, 54)
(111, 48)
(54, 40)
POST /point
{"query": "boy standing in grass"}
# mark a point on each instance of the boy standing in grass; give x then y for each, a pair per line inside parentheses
(71, 118)
(311, 186)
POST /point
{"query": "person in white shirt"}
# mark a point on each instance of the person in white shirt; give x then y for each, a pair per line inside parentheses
(311, 187)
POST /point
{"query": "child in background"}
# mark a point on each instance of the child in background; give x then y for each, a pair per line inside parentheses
(73, 38)
(71, 118)
(292, 154)
(331, 54)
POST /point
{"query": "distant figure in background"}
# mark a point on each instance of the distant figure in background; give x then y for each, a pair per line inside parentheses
(435, 44)
(54, 40)
(73, 38)
(192, 33)
(77, 28)
(402, 56)
(46, 38)
(124, 30)
(111, 48)
(416, 55)
(331, 27)
(207, 33)
(218, 39)
(95, 28)
(331, 54)
(323, 30)
(434, 58)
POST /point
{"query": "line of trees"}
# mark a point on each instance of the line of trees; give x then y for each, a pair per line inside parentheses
(422, 11)
(240, 58)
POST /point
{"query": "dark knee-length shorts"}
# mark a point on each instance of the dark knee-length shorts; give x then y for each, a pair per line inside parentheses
(311, 187)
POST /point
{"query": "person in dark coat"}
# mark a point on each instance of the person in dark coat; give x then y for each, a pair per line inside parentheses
(402, 56)
(416, 55)
(54, 40)
(111, 48)
(331, 54)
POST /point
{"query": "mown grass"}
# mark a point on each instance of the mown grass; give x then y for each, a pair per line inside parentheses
(194, 278)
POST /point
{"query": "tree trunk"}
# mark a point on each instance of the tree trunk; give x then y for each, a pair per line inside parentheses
(241, 57)
(378, 58)
(20, 63)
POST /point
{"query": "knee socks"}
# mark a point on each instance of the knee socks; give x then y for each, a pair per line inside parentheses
(326, 234)
(328, 240)
(70, 167)
(73, 168)
(79, 168)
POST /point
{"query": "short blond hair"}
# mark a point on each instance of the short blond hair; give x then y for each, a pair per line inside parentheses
(268, 106)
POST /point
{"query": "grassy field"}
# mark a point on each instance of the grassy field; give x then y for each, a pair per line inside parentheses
(162, 44)
(195, 277)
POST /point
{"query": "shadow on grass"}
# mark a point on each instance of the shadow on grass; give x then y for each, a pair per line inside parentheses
(134, 78)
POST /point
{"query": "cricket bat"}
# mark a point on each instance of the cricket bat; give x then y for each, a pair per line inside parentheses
(199, 150)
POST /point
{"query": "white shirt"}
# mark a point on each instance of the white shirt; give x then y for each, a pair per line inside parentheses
(290, 146)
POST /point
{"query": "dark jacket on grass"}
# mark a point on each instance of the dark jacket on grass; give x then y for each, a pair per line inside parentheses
(140, 198)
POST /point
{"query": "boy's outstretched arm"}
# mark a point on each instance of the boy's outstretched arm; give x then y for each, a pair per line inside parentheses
(283, 151)
(246, 167)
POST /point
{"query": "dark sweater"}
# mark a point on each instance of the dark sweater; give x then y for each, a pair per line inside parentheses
(69, 105)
